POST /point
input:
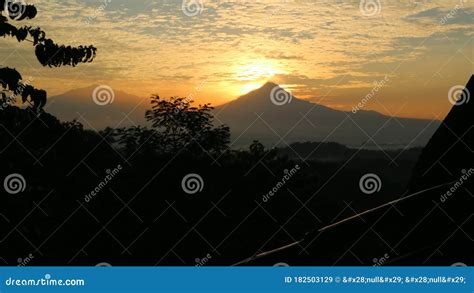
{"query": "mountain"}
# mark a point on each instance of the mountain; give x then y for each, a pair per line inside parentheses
(431, 224)
(288, 119)
(111, 108)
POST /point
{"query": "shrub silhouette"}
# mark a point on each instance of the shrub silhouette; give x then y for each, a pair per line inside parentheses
(182, 126)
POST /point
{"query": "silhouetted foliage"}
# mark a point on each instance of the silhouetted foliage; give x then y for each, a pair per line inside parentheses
(63, 162)
(47, 52)
(185, 127)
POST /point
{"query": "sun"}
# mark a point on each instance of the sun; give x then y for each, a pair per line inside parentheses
(252, 75)
(255, 71)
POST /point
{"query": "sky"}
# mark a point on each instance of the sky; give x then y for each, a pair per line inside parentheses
(408, 54)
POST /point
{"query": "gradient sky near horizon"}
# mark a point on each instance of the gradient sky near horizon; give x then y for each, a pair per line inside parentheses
(329, 52)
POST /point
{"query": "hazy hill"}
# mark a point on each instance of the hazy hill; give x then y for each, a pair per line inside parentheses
(122, 110)
(301, 120)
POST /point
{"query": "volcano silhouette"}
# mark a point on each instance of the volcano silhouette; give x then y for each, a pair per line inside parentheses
(431, 224)
(275, 117)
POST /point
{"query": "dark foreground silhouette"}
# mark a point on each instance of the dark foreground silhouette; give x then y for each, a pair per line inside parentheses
(118, 196)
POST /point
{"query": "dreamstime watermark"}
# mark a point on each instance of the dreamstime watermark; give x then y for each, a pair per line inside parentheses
(110, 175)
(11, 99)
(23, 262)
(195, 91)
(103, 95)
(377, 86)
(466, 174)
(99, 10)
(202, 262)
(192, 7)
(459, 95)
(288, 175)
(452, 13)
(280, 97)
(14, 8)
(192, 183)
(14, 183)
(370, 183)
(380, 261)
(370, 7)
(46, 281)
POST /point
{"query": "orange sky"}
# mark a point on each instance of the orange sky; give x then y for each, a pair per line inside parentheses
(331, 52)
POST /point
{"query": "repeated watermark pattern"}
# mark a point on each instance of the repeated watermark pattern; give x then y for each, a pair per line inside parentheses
(12, 98)
(107, 179)
(14, 8)
(466, 174)
(378, 85)
(200, 262)
(14, 183)
(459, 95)
(23, 262)
(280, 184)
(192, 183)
(370, 7)
(280, 96)
(192, 7)
(103, 95)
(377, 262)
(370, 183)
(452, 13)
(98, 11)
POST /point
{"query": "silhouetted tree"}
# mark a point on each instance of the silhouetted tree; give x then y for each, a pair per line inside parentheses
(47, 52)
(257, 149)
(138, 140)
(184, 126)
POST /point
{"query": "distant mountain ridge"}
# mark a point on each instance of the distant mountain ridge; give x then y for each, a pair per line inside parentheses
(254, 116)
(275, 117)
(98, 107)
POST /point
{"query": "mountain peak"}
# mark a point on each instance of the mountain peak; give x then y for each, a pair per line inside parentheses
(269, 84)
(265, 92)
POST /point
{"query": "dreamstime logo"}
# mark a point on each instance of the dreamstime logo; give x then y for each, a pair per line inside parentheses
(202, 262)
(10, 100)
(370, 7)
(108, 178)
(103, 95)
(370, 183)
(288, 175)
(192, 183)
(97, 11)
(459, 95)
(452, 13)
(23, 262)
(280, 97)
(14, 8)
(14, 183)
(466, 174)
(381, 261)
(192, 7)
(378, 85)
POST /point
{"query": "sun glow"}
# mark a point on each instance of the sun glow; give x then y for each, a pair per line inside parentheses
(253, 75)
(255, 72)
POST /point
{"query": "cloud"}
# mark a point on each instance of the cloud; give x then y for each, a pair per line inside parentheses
(155, 47)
